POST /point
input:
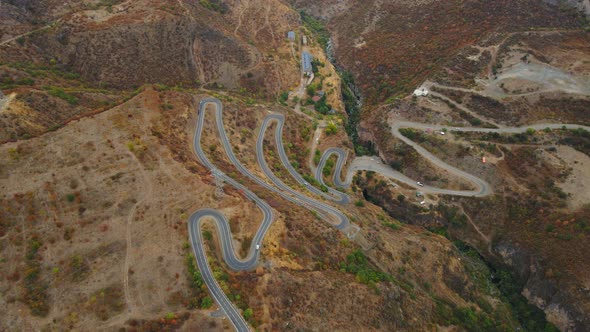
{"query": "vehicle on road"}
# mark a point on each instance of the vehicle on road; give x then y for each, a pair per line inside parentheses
(442, 132)
(420, 184)
(257, 247)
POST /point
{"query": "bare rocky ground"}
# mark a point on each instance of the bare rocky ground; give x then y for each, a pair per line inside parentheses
(526, 78)
(108, 204)
(94, 205)
(94, 223)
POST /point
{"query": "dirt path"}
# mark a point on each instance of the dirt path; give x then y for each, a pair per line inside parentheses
(314, 145)
(246, 5)
(465, 109)
(8, 41)
(146, 196)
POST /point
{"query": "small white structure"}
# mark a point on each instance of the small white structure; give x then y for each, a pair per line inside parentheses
(421, 92)
(304, 40)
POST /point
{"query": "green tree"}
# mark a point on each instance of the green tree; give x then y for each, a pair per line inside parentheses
(331, 129)
(206, 302)
(248, 313)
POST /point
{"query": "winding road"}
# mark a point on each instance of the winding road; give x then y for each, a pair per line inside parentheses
(328, 213)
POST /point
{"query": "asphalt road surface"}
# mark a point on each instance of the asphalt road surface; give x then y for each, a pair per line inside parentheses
(366, 163)
(334, 195)
(327, 212)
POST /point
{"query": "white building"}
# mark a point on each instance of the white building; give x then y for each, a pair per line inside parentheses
(421, 92)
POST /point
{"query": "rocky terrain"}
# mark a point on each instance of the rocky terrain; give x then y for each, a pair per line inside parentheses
(98, 174)
(486, 65)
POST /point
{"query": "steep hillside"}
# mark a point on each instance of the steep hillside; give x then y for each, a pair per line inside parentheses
(486, 64)
(392, 46)
(98, 174)
(88, 56)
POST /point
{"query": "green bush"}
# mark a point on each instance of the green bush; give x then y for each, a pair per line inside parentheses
(331, 129)
(214, 5)
(316, 27)
(283, 97)
(60, 93)
(357, 264)
(248, 313)
(206, 303)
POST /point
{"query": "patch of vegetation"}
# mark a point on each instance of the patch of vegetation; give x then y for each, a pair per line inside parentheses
(283, 98)
(321, 106)
(579, 140)
(70, 197)
(317, 156)
(9, 83)
(311, 180)
(37, 70)
(206, 302)
(107, 302)
(331, 129)
(452, 214)
(316, 65)
(137, 147)
(413, 134)
(530, 317)
(353, 109)
(391, 224)
(357, 264)
(35, 287)
(60, 93)
(329, 166)
(469, 318)
(316, 27)
(13, 154)
(214, 5)
(79, 268)
(195, 280)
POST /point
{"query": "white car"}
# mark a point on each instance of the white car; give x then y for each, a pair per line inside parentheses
(442, 132)
(420, 184)
(257, 247)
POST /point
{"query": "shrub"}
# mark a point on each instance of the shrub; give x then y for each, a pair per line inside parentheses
(331, 129)
(206, 302)
(359, 203)
(13, 153)
(60, 93)
(357, 264)
(248, 313)
(283, 97)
